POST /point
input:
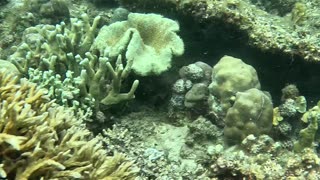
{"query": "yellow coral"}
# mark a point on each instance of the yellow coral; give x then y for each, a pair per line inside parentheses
(39, 139)
(276, 116)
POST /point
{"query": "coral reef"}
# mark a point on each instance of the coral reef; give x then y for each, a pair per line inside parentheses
(9, 67)
(63, 52)
(276, 7)
(290, 91)
(31, 12)
(202, 130)
(64, 112)
(265, 30)
(177, 151)
(40, 139)
(307, 135)
(255, 159)
(49, 47)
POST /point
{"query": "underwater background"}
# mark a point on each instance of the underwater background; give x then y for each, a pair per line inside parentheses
(159, 89)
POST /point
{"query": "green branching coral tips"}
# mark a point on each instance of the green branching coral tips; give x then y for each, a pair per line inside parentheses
(118, 74)
(98, 70)
(149, 40)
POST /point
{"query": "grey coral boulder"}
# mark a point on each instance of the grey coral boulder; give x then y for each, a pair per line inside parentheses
(251, 113)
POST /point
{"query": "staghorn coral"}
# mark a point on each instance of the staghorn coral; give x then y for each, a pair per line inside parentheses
(92, 78)
(39, 139)
(50, 47)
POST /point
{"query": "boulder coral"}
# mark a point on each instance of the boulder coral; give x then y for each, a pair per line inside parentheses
(229, 76)
(251, 113)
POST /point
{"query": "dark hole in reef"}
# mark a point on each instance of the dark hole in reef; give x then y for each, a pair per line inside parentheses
(104, 3)
(209, 41)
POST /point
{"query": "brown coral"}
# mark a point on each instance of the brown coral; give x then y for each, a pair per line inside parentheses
(39, 139)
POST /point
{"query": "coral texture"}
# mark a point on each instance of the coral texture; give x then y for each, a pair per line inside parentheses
(62, 52)
(307, 135)
(149, 40)
(251, 113)
(229, 76)
(39, 139)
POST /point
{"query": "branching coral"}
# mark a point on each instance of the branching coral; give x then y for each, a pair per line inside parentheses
(93, 76)
(62, 51)
(39, 139)
(49, 47)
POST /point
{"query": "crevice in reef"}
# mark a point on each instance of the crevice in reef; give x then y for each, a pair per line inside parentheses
(209, 41)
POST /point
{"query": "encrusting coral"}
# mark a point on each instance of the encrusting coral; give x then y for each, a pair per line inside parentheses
(40, 139)
(260, 157)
